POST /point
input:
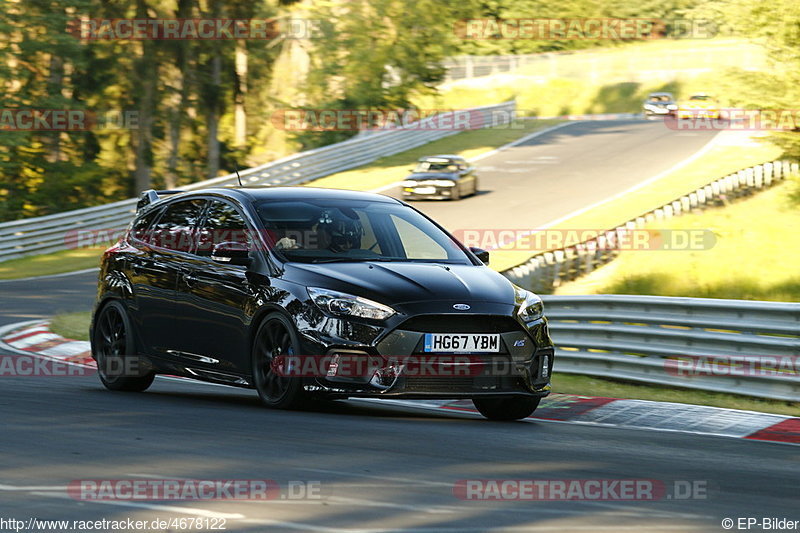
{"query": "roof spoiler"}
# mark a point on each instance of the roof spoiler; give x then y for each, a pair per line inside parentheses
(151, 196)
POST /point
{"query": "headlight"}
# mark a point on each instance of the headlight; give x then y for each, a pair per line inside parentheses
(530, 306)
(341, 304)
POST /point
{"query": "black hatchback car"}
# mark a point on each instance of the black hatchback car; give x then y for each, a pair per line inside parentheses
(300, 293)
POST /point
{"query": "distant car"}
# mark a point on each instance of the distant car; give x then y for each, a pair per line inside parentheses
(699, 106)
(443, 177)
(659, 104)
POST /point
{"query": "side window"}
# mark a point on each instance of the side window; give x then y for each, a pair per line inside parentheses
(141, 225)
(175, 230)
(223, 223)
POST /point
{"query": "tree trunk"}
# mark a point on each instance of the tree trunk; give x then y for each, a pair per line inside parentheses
(213, 116)
(147, 74)
(55, 82)
(240, 115)
(183, 62)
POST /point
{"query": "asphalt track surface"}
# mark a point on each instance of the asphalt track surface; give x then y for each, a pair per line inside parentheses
(555, 174)
(378, 466)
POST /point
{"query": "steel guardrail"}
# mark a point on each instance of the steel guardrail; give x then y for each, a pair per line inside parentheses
(740, 347)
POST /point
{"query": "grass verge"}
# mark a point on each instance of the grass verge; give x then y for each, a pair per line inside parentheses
(755, 256)
(72, 325)
(55, 263)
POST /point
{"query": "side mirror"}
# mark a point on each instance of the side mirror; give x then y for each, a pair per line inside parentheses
(231, 253)
(481, 254)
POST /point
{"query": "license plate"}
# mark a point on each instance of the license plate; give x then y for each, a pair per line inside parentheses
(462, 342)
(425, 190)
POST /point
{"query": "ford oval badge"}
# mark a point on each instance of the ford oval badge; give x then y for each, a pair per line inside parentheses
(461, 307)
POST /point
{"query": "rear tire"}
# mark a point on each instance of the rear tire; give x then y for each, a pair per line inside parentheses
(509, 408)
(114, 349)
(276, 336)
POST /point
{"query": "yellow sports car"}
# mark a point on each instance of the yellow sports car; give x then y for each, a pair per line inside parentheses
(699, 106)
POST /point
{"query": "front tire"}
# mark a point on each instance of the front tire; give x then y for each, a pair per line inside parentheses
(276, 337)
(509, 408)
(114, 350)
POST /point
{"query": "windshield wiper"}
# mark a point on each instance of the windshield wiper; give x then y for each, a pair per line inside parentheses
(357, 259)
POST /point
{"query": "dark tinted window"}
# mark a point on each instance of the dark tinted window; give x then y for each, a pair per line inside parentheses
(139, 230)
(311, 230)
(223, 223)
(175, 229)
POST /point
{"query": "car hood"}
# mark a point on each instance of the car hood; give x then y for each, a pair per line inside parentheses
(422, 176)
(398, 283)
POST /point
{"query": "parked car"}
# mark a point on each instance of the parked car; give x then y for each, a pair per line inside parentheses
(699, 106)
(443, 177)
(659, 104)
(245, 286)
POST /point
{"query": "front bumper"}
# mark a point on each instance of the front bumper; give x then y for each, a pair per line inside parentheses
(394, 364)
(438, 193)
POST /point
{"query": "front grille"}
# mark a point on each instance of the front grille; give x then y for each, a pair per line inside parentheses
(432, 384)
(469, 384)
(460, 324)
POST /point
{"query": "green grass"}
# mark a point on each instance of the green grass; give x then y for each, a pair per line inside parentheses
(72, 325)
(755, 256)
(592, 386)
(55, 263)
(76, 326)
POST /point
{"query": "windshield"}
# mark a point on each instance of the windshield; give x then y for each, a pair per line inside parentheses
(436, 166)
(316, 231)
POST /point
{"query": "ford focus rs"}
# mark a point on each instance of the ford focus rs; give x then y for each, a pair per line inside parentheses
(303, 293)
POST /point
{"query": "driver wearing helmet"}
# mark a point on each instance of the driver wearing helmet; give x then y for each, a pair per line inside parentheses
(339, 230)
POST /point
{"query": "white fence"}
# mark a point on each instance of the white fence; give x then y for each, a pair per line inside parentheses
(735, 346)
(51, 233)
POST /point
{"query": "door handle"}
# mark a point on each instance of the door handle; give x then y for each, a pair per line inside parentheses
(190, 278)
